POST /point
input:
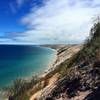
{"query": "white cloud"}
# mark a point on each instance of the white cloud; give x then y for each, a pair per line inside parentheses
(60, 21)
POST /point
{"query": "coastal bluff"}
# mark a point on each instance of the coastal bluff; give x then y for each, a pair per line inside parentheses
(64, 52)
(77, 76)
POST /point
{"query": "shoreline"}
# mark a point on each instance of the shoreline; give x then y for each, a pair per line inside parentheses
(59, 58)
(47, 68)
(52, 64)
(3, 94)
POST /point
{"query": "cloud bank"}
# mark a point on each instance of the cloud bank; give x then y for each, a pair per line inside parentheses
(59, 21)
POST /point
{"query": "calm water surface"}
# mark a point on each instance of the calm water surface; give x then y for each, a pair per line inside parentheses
(20, 61)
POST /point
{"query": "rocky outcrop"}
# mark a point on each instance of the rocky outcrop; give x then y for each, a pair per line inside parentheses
(77, 81)
(95, 95)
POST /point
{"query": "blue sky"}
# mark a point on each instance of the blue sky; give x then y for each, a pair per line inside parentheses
(46, 21)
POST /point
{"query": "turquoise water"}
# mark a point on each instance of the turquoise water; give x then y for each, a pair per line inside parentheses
(21, 61)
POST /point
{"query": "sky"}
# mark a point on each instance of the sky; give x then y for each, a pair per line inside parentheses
(46, 21)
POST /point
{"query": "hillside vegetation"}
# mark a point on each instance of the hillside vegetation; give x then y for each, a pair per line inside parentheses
(80, 73)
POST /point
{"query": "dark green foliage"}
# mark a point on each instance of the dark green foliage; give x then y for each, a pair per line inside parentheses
(86, 55)
(90, 48)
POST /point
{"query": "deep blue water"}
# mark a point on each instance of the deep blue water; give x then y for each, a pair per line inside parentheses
(20, 61)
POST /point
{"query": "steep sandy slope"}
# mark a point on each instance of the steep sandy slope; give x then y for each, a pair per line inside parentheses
(64, 52)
